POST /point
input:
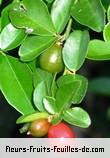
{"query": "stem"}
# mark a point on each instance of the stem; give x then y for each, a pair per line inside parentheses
(52, 85)
(64, 37)
(66, 71)
(68, 29)
(24, 128)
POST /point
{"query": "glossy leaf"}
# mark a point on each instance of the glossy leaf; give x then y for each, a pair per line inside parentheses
(49, 1)
(33, 16)
(41, 75)
(32, 117)
(14, 78)
(108, 13)
(32, 65)
(106, 32)
(65, 94)
(60, 13)
(11, 37)
(33, 46)
(5, 16)
(54, 88)
(75, 49)
(39, 93)
(89, 13)
(50, 104)
(105, 3)
(100, 85)
(98, 50)
(78, 117)
(80, 90)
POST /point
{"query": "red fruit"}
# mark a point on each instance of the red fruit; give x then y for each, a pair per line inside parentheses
(61, 130)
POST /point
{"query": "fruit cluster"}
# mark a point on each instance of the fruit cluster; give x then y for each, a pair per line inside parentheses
(51, 61)
(42, 127)
(49, 119)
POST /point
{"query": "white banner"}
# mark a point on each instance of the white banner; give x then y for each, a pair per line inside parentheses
(54, 148)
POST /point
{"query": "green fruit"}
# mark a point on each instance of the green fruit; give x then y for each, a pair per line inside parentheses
(39, 128)
(51, 59)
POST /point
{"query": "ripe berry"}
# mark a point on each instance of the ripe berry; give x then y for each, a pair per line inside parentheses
(61, 130)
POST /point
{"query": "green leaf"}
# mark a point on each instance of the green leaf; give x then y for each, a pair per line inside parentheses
(0, 2)
(75, 49)
(60, 13)
(32, 65)
(50, 104)
(11, 37)
(77, 116)
(106, 32)
(33, 46)
(98, 50)
(39, 93)
(80, 91)
(89, 13)
(54, 88)
(49, 1)
(108, 13)
(65, 94)
(33, 16)
(41, 75)
(105, 3)
(16, 83)
(5, 16)
(100, 85)
(32, 117)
